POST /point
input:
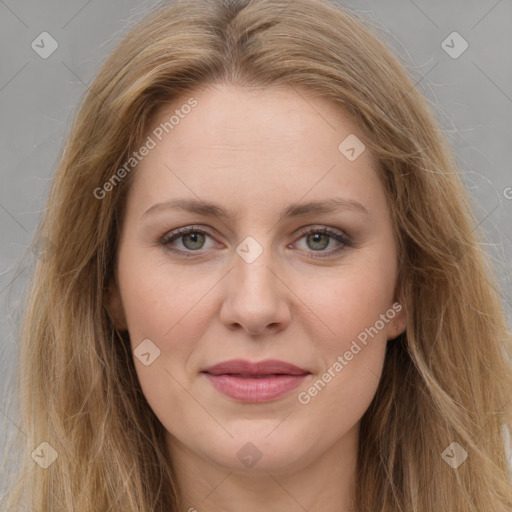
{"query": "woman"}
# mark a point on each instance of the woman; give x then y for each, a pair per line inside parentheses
(265, 290)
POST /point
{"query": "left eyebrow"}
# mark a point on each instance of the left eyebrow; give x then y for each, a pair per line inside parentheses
(293, 210)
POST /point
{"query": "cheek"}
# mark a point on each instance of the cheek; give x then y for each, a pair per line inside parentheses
(347, 304)
(165, 308)
(165, 318)
(352, 313)
(352, 358)
(161, 302)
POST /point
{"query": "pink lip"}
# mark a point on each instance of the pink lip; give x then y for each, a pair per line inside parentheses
(255, 382)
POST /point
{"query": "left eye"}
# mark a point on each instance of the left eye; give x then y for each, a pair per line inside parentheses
(318, 240)
(193, 239)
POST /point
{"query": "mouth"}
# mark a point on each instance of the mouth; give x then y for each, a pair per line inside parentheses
(255, 382)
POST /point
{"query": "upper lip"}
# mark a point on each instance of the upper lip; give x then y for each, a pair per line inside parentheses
(266, 367)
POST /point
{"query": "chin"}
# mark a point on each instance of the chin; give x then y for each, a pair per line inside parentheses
(255, 451)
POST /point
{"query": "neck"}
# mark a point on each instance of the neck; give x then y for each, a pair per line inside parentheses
(325, 484)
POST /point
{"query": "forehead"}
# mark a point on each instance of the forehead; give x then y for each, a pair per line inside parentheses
(226, 115)
(253, 144)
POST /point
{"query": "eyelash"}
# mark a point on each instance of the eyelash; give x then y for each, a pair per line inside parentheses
(179, 232)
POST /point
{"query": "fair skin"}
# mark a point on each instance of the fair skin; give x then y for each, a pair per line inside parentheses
(254, 152)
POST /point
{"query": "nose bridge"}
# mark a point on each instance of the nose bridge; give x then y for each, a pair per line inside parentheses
(255, 298)
(252, 273)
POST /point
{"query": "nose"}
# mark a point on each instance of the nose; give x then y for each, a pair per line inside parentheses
(255, 297)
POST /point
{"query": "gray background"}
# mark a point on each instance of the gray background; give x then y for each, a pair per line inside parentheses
(471, 95)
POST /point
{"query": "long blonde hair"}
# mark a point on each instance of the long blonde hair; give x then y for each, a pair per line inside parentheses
(446, 380)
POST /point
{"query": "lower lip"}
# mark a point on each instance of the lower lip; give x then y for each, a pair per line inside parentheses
(256, 390)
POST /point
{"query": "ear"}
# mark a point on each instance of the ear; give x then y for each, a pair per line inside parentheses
(397, 323)
(114, 306)
(396, 313)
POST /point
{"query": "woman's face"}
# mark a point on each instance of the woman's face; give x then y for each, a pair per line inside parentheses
(258, 176)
